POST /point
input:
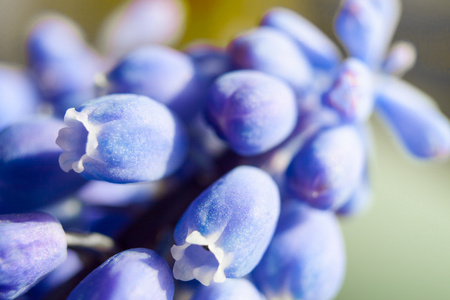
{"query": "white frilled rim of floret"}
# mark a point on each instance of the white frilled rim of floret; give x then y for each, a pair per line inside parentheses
(78, 141)
(193, 261)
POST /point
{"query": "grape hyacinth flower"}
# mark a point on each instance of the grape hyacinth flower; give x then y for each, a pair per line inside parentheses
(161, 73)
(132, 274)
(225, 231)
(30, 175)
(328, 167)
(270, 51)
(62, 63)
(19, 97)
(306, 258)
(142, 22)
(253, 112)
(31, 246)
(122, 138)
(231, 289)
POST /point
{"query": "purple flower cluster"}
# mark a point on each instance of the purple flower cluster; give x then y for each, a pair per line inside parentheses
(230, 164)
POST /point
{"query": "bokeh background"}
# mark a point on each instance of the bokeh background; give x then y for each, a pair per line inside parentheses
(399, 249)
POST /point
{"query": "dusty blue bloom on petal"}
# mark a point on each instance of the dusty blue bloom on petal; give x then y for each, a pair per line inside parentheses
(231, 289)
(142, 22)
(31, 245)
(30, 176)
(328, 167)
(18, 96)
(306, 258)
(161, 73)
(225, 231)
(252, 111)
(351, 94)
(400, 59)
(122, 139)
(418, 124)
(270, 51)
(318, 48)
(131, 274)
(365, 28)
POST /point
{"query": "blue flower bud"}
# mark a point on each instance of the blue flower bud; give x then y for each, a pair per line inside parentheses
(400, 59)
(142, 22)
(328, 167)
(31, 245)
(30, 176)
(418, 124)
(131, 274)
(270, 51)
(317, 47)
(306, 258)
(121, 139)
(161, 73)
(225, 231)
(365, 28)
(252, 111)
(351, 94)
(231, 289)
(64, 66)
(18, 96)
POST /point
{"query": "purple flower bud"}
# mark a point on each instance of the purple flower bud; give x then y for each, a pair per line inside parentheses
(131, 274)
(31, 245)
(317, 47)
(270, 51)
(30, 176)
(351, 94)
(400, 59)
(418, 124)
(122, 139)
(161, 73)
(306, 258)
(328, 167)
(252, 111)
(225, 231)
(236, 289)
(142, 22)
(18, 96)
(64, 66)
(365, 28)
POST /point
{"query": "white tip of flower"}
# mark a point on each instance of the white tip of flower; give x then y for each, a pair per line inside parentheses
(199, 258)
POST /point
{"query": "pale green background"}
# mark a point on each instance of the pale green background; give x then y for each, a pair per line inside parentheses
(400, 249)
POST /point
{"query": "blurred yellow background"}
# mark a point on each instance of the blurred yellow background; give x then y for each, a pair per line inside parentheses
(400, 249)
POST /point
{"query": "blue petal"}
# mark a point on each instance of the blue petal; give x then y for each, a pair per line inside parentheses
(225, 231)
(252, 111)
(365, 28)
(270, 51)
(317, 47)
(328, 167)
(418, 124)
(122, 139)
(306, 258)
(31, 246)
(131, 274)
